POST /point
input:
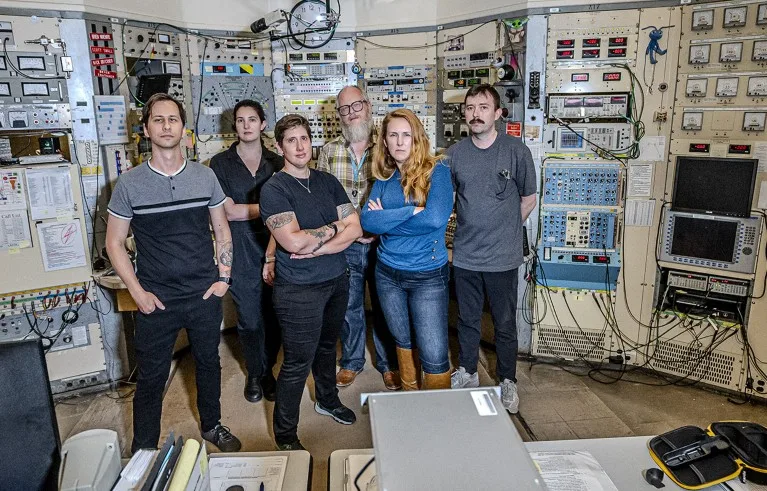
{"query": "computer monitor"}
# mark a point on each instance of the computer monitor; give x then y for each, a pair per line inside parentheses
(714, 186)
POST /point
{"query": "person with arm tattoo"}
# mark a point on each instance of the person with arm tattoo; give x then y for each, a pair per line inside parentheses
(308, 214)
(409, 208)
(169, 203)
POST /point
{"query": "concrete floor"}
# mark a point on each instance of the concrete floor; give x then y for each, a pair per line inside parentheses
(555, 405)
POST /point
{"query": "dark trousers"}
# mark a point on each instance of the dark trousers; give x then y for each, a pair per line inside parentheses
(501, 290)
(362, 260)
(310, 317)
(154, 339)
(257, 325)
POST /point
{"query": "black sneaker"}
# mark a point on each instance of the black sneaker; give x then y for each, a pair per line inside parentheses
(341, 414)
(296, 445)
(269, 387)
(253, 391)
(221, 437)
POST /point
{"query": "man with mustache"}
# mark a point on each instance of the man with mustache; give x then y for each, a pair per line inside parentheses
(348, 158)
(495, 185)
(169, 203)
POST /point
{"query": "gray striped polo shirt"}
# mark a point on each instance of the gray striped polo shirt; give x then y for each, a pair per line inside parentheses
(170, 221)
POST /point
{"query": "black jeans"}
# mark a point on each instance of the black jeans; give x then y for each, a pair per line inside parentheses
(257, 325)
(501, 290)
(155, 336)
(311, 317)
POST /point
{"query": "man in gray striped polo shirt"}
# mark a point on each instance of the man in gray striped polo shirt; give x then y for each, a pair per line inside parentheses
(168, 202)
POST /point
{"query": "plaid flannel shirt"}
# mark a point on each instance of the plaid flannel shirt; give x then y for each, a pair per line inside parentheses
(337, 158)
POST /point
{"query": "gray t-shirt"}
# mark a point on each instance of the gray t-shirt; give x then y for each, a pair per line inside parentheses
(489, 184)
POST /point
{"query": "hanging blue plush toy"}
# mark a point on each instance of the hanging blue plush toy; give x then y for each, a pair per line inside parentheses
(653, 47)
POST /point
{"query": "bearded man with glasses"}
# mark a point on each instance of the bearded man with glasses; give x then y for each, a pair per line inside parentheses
(348, 157)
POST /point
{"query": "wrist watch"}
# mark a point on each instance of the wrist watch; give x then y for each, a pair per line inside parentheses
(225, 279)
(269, 259)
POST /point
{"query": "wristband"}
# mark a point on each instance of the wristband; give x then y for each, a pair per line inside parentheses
(268, 259)
(225, 279)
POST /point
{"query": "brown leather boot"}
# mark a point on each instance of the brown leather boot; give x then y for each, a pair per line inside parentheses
(436, 380)
(409, 368)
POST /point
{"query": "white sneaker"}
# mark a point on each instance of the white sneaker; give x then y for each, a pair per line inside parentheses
(509, 396)
(461, 379)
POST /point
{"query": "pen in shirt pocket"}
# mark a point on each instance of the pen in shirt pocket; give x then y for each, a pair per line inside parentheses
(505, 174)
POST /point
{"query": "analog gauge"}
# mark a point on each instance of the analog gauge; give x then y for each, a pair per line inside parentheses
(696, 87)
(761, 14)
(757, 86)
(727, 87)
(692, 121)
(735, 16)
(702, 20)
(699, 54)
(754, 121)
(760, 51)
(730, 52)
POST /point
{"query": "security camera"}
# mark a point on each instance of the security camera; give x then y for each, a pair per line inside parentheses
(269, 20)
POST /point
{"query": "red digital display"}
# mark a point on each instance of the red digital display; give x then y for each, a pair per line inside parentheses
(579, 258)
(565, 54)
(616, 53)
(621, 41)
(219, 68)
(611, 76)
(579, 77)
(740, 149)
(565, 43)
(699, 147)
(590, 53)
(601, 259)
(592, 42)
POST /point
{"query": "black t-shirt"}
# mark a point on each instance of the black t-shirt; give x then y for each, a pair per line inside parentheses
(313, 210)
(242, 186)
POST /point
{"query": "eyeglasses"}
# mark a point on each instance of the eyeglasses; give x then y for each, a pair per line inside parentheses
(355, 106)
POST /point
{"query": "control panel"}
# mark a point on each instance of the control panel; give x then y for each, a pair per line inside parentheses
(579, 140)
(33, 92)
(221, 93)
(578, 184)
(591, 106)
(151, 43)
(320, 111)
(465, 71)
(717, 242)
(583, 269)
(579, 229)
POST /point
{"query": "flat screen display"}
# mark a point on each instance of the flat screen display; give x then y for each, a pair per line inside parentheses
(715, 186)
(704, 238)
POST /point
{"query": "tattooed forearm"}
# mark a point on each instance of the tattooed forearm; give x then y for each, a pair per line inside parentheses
(319, 245)
(280, 220)
(318, 232)
(225, 253)
(345, 210)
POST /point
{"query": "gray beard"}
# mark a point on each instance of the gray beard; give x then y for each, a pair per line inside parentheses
(357, 132)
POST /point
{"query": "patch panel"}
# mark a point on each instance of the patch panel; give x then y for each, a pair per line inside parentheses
(578, 228)
(573, 184)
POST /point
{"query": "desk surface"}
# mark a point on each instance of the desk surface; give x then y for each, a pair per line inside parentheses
(622, 458)
(298, 472)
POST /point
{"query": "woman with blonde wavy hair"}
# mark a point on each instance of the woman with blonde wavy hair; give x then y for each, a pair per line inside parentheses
(409, 207)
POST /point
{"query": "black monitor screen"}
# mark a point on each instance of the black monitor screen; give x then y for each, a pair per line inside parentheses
(714, 186)
(704, 238)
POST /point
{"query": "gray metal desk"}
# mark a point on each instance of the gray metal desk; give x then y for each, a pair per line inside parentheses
(298, 472)
(622, 458)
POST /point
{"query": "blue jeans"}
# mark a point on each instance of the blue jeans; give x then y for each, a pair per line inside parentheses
(416, 301)
(360, 258)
